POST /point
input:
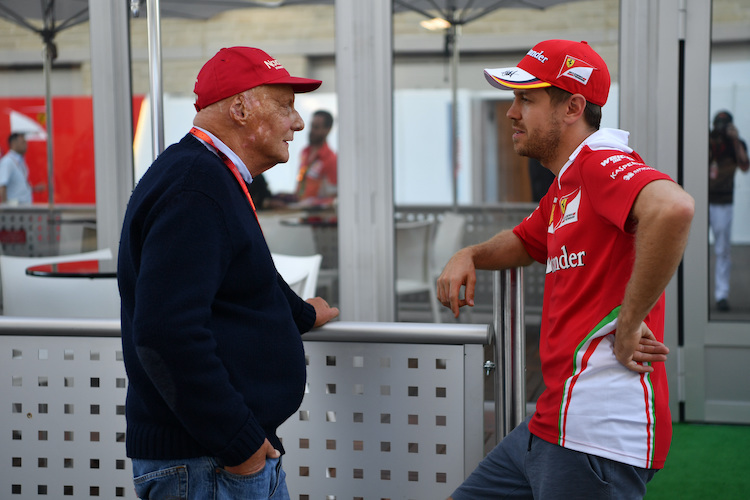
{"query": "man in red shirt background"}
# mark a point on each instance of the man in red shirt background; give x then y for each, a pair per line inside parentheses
(316, 178)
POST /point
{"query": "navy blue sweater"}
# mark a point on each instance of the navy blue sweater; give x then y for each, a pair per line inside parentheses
(210, 331)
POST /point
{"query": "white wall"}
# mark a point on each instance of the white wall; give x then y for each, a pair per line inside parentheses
(422, 147)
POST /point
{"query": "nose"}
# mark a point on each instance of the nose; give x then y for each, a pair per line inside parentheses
(513, 112)
(297, 123)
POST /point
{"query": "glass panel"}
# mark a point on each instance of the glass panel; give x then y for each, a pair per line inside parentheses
(292, 224)
(187, 42)
(45, 102)
(495, 187)
(728, 178)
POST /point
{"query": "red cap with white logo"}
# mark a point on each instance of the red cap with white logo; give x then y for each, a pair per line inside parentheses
(237, 69)
(571, 66)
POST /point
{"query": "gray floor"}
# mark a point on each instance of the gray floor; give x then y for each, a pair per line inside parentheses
(739, 287)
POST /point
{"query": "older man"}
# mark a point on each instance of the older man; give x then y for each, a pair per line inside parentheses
(611, 231)
(210, 330)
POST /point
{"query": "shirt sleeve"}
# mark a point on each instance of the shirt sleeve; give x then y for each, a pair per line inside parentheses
(4, 171)
(613, 179)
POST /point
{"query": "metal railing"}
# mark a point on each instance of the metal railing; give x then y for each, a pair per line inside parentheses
(90, 348)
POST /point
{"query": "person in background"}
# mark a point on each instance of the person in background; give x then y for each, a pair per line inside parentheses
(316, 178)
(259, 191)
(14, 173)
(211, 333)
(726, 152)
(541, 179)
(611, 231)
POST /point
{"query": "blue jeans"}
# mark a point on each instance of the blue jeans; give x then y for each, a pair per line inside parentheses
(204, 478)
(522, 466)
(720, 218)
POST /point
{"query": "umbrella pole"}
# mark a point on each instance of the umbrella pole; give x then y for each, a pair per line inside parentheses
(153, 13)
(453, 33)
(48, 55)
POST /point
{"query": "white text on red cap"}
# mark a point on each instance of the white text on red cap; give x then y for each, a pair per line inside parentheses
(273, 64)
(539, 56)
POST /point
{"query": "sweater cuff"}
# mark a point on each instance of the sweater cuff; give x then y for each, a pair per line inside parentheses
(305, 319)
(247, 441)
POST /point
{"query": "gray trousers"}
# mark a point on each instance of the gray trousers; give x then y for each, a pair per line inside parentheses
(522, 466)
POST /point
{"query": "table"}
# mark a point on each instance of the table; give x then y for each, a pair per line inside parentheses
(312, 220)
(78, 269)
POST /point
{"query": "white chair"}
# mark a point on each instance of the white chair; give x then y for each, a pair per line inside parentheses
(413, 256)
(56, 297)
(448, 240)
(286, 239)
(300, 272)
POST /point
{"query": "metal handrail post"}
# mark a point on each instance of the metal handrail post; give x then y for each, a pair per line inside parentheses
(153, 13)
(519, 349)
(497, 347)
(509, 350)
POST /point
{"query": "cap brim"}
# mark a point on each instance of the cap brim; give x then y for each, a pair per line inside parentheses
(513, 78)
(299, 85)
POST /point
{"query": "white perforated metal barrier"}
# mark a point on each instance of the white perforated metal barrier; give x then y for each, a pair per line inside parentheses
(397, 414)
(63, 418)
(384, 421)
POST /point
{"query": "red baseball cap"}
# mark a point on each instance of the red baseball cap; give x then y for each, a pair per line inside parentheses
(571, 66)
(237, 69)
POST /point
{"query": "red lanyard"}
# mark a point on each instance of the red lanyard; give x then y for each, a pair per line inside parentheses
(231, 166)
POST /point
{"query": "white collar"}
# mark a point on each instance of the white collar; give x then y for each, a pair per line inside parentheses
(605, 138)
(218, 144)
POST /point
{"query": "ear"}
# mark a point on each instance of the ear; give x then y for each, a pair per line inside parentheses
(239, 108)
(575, 108)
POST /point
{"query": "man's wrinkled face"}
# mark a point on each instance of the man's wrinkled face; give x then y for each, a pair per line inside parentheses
(271, 125)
